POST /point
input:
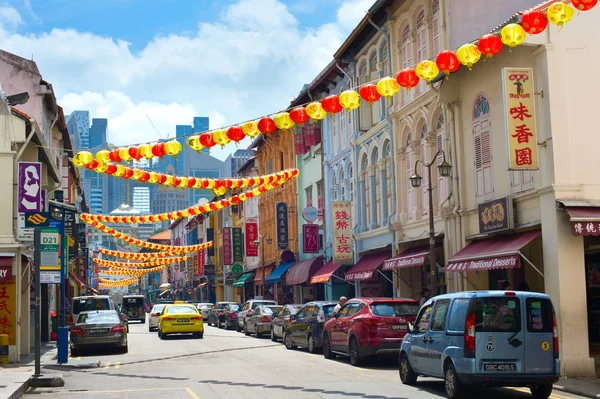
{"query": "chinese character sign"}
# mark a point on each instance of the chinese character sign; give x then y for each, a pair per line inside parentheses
(8, 310)
(342, 232)
(238, 252)
(282, 225)
(227, 246)
(201, 260)
(520, 118)
(30, 188)
(251, 236)
(310, 238)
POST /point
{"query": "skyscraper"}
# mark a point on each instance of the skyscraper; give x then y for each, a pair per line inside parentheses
(200, 124)
(182, 132)
(98, 132)
(78, 124)
(141, 199)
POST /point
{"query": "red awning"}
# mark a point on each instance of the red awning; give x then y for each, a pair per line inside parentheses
(77, 280)
(6, 268)
(300, 272)
(259, 273)
(494, 253)
(585, 220)
(324, 274)
(365, 267)
(411, 257)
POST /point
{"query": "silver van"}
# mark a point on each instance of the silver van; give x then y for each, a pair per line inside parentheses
(91, 302)
(484, 338)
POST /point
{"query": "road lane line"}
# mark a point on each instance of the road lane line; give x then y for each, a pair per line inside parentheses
(191, 393)
(107, 365)
(117, 391)
(117, 365)
(78, 357)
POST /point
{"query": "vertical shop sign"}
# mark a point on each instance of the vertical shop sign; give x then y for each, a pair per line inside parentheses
(30, 190)
(342, 232)
(8, 310)
(238, 253)
(227, 246)
(201, 260)
(251, 236)
(210, 236)
(70, 233)
(281, 209)
(310, 238)
(519, 109)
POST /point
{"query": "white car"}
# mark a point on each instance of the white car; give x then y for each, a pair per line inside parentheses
(154, 314)
(204, 309)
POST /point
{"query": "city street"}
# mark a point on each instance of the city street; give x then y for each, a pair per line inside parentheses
(227, 364)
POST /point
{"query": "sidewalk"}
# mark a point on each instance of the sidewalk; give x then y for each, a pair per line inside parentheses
(588, 387)
(14, 378)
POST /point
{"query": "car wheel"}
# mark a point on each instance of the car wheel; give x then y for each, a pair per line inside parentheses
(246, 332)
(327, 353)
(125, 349)
(312, 348)
(273, 337)
(256, 333)
(542, 391)
(287, 339)
(237, 327)
(75, 352)
(159, 334)
(355, 358)
(452, 385)
(407, 373)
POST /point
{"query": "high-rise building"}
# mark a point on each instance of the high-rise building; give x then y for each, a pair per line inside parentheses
(200, 124)
(141, 199)
(98, 133)
(182, 132)
(237, 159)
(78, 124)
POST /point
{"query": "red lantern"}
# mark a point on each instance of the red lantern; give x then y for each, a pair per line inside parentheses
(114, 155)
(142, 219)
(299, 115)
(331, 104)
(151, 218)
(224, 202)
(447, 62)
(266, 125)
(251, 181)
(176, 181)
(204, 183)
(111, 169)
(534, 22)
(235, 199)
(249, 194)
(93, 164)
(179, 214)
(227, 183)
(239, 183)
(134, 152)
(369, 93)
(212, 206)
(191, 182)
(218, 183)
(235, 133)
(162, 178)
(128, 173)
(262, 189)
(145, 176)
(490, 45)
(206, 139)
(584, 5)
(407, 78)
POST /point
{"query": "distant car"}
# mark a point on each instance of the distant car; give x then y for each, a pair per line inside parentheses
(91, 302)
(215, 311)
(368, 326)
(97, 329)
(228, 317)
(204, 309)
(154, 315)
(281, 320)
(306, 327)
(249, 307)
(259, 321)
(133, 307)
(180, 319)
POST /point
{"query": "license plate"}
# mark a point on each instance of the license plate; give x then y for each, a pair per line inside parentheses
(500, 367)
(183, 320)
(97, 331)
(399, 327)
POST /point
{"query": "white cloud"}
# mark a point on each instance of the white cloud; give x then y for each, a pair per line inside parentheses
(352, 11)
(10, 18)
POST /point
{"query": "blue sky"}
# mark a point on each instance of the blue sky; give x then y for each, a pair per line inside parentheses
(170, 60)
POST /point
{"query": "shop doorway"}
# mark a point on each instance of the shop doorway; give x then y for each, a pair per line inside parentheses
(592, 285)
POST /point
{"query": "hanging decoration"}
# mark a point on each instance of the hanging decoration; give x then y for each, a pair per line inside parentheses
(490, 45)
(283, 121)
(250, 129)
(427, 70)
(161, 262)
(299, 115)
(331, 104)
(387, 87)
(350, 99)
(105, 283)
(584, 5)
(220, 137)
(447, 62)
(369, 93)
(315, 111)
(468, 55)
(407, 78)
(266, 125)
(559, 14)
(534, 22)
(136, 255)
(513, 35)
(207, 140)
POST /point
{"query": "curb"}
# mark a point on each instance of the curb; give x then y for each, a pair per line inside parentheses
(19, 391)
(576, 392)
(67, 366)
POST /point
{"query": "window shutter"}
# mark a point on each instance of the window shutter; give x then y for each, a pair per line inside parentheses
(316, 128)
(300, 148)
(410, 191)
(367, 193)
(308, 134)
(364, 111)
(376, 107)
(425, 183)
(435, 6)
(320, 206)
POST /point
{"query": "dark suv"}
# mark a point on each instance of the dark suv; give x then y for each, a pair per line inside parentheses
(215, 312)
(306, 327)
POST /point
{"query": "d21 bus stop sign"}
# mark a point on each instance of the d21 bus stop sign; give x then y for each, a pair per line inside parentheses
(310, 214)
(49, 256)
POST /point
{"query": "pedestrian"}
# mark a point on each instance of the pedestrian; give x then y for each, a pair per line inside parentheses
(506, 285)
(425, 295)
(341, 303)
(523, 286)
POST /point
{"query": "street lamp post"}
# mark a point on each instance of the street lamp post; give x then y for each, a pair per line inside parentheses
(445, 169)
(257, 243)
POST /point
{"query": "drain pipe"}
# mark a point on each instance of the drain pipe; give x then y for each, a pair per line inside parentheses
(456, 211)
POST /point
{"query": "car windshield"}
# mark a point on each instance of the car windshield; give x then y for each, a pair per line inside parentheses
(234, 308)
(158, 308)
(85, 304)
(328, 310)
(394, 309)
(259, 303)
(497, 314)
(133, 302)
(98, 317)
(271, 309)
(222, 305)
(181, 310)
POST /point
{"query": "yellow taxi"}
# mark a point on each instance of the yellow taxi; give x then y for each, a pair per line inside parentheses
(180, 318)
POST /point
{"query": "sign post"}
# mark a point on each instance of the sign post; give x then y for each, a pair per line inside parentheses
(38, 293)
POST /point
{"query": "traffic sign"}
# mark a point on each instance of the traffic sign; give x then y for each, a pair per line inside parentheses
(37, 219)
(49, 249)
(237, 269)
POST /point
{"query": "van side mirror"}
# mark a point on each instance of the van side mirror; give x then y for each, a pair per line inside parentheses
(411, 327)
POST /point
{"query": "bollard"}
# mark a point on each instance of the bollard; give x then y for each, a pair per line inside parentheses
(3, 349)
(63, 345)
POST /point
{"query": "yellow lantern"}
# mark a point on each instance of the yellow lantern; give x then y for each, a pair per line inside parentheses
(350, 99)
(103, 156)
(283, 121)
(168, 181)
(220, 137)
(245, 182)
(146, 151)
(211, 183)
(560, 13)
(82, 158)
(250, 129)
(124, 154)
(137, 174)
(387, 87)
(198, 183)
(174, 215)
(512, 35)
(220, 191)
(243, 197)
(427, 70)
(185, 213)
(120, 170)
(194, 143)
(172, 147)
(101, 168)
(184, 182)
(153, 178)
(218, 205)
(468, 54)
(315, 111)
(256, 192)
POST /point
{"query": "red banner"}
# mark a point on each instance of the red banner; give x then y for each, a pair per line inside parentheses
(251, 236)
(310, 238)
(201, 261)
(227, 246)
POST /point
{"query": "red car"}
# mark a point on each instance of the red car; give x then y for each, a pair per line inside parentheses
(367, 327)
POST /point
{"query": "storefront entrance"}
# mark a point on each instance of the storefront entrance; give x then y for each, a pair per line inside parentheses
(592, 283)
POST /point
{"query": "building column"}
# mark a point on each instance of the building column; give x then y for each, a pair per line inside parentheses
(401, 178)
(373, 194)
(382, 176)
(565, 282)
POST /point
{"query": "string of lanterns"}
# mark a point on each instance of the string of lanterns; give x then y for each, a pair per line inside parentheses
(105, 283)
(132, 272)
(97, 220)
(512, 35)
(168, 261)
(136, 255)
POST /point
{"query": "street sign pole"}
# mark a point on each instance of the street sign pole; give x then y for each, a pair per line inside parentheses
(38, 289)
(63, 269)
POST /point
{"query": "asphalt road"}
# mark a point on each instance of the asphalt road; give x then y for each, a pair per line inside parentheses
(227, 364)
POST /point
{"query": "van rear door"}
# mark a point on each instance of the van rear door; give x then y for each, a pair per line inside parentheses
(539, 345)
(499, 335)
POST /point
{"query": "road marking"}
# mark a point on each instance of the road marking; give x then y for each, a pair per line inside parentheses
(107, 365)
(191, 393)
(117, 365)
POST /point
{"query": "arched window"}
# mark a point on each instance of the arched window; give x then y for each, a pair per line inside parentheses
(334, 187)
(422, 43)
(375, 108)
(342, 186)
(440, 145)
(378, 196)
(365, 119)
(482, 136)
(342, 144)
(436, 22)
(388, 175)
(385, 58)
(334, 133)
(411, 205)
(407, 59)
(367, 193)
(424, 156)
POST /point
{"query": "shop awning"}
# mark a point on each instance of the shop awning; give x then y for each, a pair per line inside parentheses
(411, 257)
(493, 253)
(324, 274)
(258, 277)
(585, 221)
(6, 267)
(78, 281)
(243, 279)
(275, 276)
(302, 271)
(365, 267)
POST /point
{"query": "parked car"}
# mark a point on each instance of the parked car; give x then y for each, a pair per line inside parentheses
(204, 309)
(97, 329)
(368, 326)
(281, 319)
(133, 307)
(228, 318)
(306, 327)
(180, 319)
(249, 307)
(484, 338)
(215, 311)
(91, 302)
(259, 321)
(154, 315)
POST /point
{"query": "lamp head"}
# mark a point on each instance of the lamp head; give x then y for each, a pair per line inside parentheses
(415, 180)
(445, 169)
